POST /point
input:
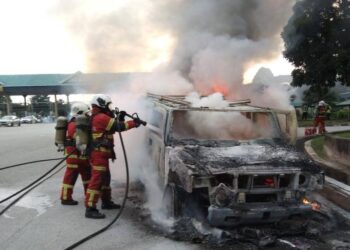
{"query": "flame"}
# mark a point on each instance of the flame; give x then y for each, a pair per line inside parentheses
(221, 88)
(314, 205)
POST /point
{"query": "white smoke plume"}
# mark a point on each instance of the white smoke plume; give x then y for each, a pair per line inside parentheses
(224, 125)
(214, 41)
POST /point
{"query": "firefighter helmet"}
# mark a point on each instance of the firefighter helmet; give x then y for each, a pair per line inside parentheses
(101, 101)
(79, 108)
(321, 103)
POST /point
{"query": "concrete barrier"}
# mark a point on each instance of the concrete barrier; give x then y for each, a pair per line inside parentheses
(337, 149)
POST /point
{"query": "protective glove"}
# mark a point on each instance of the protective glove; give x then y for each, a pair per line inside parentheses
(137, 122)
(121, 115)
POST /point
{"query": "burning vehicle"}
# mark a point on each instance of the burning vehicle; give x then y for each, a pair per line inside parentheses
(230, 165)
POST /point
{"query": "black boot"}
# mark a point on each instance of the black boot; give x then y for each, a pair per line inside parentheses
(69, 202)
(93, 213)
(109, 205)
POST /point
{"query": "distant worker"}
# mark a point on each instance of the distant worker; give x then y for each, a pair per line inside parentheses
(103, 126)
(76, 163)
(320, 117)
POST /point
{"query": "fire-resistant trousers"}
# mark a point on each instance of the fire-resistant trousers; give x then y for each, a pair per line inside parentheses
(73, 169)
(99, 185)
(320, 124)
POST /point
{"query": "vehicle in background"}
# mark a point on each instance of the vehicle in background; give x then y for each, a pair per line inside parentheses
(10, 120)
(231, 165)
(30, 119)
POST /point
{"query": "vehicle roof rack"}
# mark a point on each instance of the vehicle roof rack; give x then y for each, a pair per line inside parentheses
(238, 102)
(180, 99)
(177, 99)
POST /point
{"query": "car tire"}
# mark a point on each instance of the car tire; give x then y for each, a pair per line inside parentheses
(19, 124)
(172, 201)
(11, 125)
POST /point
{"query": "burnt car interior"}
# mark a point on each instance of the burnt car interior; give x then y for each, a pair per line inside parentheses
(227, 125)
(216, 158)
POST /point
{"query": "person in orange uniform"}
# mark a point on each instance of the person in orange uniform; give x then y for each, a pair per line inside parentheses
(103, 126)
(321, 114)
(76, 163)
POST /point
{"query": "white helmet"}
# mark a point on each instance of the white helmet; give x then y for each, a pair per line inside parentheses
(321, 103)
(79, 108)
(101, 101)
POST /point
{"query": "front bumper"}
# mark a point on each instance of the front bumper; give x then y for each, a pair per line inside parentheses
(253, 214)
(5, 123)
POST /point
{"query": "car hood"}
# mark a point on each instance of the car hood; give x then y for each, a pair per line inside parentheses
(209, 160)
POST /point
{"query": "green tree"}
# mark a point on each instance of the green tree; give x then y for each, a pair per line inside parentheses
(40, 104)
(311, 98)
(317, 43)
(39, 99)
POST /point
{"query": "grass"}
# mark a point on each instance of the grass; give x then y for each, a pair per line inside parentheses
(343, 134)
(317, 145)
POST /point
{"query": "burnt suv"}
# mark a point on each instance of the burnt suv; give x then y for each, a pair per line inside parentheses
(232, 165)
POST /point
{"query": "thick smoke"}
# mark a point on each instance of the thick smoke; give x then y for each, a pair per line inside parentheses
(215, 42)
(220, 125)
(218, 40)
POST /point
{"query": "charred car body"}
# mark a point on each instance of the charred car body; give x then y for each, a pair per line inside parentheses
(234, 165)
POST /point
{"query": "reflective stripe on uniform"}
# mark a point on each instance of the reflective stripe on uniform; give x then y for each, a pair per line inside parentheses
(86, 182)
(92, 194)
(65, 188)
(105, 188)
(72, 166)
(126, 125)
(103, 149)
(110, 124)
(97, 135)
(77, 157)
(99, 168)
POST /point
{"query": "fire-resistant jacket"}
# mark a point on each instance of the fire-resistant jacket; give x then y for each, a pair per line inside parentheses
(103, 127)
(321, 112)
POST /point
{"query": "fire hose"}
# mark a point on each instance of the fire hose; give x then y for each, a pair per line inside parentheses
(31, 186)
(29, 162)
(27, 191)
(134, 116)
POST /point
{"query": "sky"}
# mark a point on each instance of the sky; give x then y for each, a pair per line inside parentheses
(35, 39)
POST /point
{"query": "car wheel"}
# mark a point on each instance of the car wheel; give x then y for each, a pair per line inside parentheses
(11, 124)
(172, 201)
(19, 124)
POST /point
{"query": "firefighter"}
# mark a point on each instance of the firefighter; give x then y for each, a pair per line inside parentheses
(320, 117)
(76, 163)
(103, 126)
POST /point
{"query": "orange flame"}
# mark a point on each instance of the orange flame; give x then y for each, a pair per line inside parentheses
(221, 88)
(314, 205)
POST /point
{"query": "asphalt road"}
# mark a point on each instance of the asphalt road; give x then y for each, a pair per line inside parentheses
(39, 221)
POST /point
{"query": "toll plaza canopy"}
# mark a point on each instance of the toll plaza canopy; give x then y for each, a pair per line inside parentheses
(53, 84)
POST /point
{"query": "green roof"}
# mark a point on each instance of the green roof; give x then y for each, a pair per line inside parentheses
(344, 103)
(33, 80)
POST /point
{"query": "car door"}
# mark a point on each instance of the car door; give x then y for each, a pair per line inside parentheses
(287, 121)
(156, 139)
